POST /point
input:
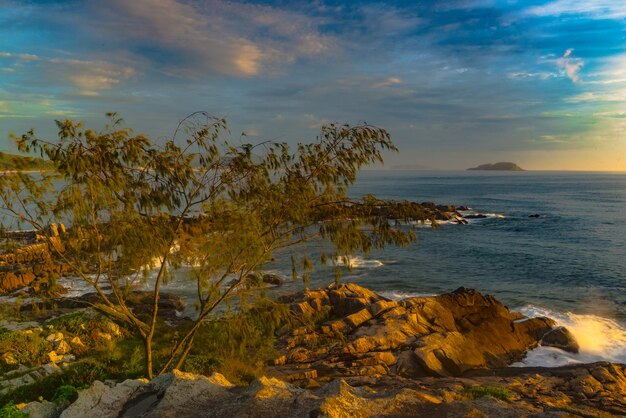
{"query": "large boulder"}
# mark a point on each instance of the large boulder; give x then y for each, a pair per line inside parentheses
(103, 401)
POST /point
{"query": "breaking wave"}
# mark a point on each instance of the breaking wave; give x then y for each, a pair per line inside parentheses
(600, 339)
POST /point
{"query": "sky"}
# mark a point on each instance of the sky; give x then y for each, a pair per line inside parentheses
(457, 83)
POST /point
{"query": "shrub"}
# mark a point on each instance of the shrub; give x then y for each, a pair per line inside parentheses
(9, 410)
(28, 349)
(481, 391)
(65, 394)
(202, 364)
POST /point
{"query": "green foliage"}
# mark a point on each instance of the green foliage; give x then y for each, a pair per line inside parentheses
(9, 410)
(238, 345)
(481, 391)
(65, 394)
(30, 349)
(203, 364)
(19, 162)
(79, 375)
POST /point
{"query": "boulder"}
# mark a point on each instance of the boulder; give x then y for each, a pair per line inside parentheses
(273, 279)
(103, 401)
(42, 409)
(561, 338)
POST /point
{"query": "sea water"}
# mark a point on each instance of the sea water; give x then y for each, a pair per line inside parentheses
(568, 263)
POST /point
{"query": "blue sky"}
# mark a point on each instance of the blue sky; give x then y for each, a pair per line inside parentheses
(456, 82)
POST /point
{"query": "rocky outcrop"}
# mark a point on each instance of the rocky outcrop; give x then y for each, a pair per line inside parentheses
(32, 264)
(596, 390)
(366, 335)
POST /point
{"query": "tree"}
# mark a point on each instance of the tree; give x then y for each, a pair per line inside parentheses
(200, 201)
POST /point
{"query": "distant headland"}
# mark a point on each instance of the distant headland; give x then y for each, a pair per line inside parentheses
(504, 166)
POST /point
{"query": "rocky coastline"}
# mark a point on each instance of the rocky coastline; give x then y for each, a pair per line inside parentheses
(351, 352)
(360, 354)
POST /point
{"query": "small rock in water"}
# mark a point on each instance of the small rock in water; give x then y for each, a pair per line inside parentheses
(273, 279)
(534, 215)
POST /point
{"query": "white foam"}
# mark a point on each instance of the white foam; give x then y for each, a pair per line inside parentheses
(355, 261)
(400, 294)
(600, 339)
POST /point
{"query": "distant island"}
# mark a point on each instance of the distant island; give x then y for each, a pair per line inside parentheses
(503, 166)
(11, 162)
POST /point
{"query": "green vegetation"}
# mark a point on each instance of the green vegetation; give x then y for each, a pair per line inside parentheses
(10, 162)
(9, 410)
(481, 391)
(197, 200)
(30, 349)
(236, 344)
(65, 394)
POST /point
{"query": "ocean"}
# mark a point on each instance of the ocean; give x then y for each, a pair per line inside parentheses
(567, 262)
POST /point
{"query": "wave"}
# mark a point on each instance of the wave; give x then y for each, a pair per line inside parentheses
(400, 294)
(355, 261)
(600, 339)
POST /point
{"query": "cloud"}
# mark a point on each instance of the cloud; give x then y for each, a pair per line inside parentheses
(89, 76)
(570, 65)
(614, 95)
(389, 81)
(201, 38)
(599, 9)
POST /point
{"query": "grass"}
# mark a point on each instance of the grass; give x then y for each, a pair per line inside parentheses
(477, 392)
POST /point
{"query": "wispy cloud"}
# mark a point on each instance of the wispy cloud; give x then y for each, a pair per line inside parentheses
(601, 9)
(213, 37)
(86, 76)
(570, 65)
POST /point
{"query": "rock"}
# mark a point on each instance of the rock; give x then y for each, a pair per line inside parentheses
(381, 306)
(535, 215)
(54, 357)
(460, 220)
(475, 216)
(349, 298)
(445, 335)
(113, 328)
(273, 279)
(63, 348)
(9, 359)
(185, 394)
(103, 401)
(42, 409)
(55, 337)
(51, 368)
(570, 391)
(358, 318)
(561, 338)
(77, 342)
(407, 365)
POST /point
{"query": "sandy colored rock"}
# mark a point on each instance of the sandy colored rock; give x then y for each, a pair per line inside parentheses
(102, 401)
